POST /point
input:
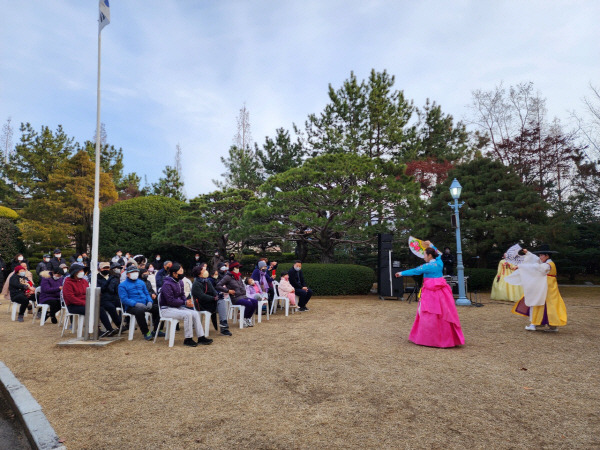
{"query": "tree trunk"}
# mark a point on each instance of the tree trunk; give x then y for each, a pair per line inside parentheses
(301, 250)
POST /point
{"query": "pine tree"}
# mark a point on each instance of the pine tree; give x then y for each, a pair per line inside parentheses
(280, 154)
(170, 185)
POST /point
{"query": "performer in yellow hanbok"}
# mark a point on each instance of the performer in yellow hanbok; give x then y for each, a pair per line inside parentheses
(541, 302)
(501, 290)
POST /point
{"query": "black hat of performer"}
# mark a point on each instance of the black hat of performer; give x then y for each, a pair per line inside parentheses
(544, 249)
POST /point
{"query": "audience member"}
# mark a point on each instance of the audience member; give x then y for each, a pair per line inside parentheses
(137, 301)
(206, 298)
(162, 273)
(57, 260)
(44, 265)
(118, 258)
(233, 285)
(215, 260)
(21, 290)
(174, 304)
(296, 278)
(286, 289)
(50, 287)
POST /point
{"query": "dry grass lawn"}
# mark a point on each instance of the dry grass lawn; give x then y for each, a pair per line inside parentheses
(342, 375)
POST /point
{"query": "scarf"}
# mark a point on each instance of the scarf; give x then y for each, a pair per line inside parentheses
(236, 275)
(263, 281)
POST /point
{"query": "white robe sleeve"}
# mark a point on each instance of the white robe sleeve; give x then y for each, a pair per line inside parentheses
(531, 274)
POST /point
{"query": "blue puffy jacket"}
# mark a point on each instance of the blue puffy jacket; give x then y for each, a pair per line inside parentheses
(132, 292)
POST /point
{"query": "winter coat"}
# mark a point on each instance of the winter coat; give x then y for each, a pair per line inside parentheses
(74, 291)
(160, 278)
(256, 277)
(14, 263)
(132, 292)
(49, 288)
(18, 287)
(172, 294)
(110, 289)
(251, 290)
(149, 286)
(296, 278)
(229, 283)
(55, 263)
(215, 260)
(204, 294)
(285, 287)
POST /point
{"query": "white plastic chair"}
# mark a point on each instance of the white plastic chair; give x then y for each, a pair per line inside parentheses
(170, 325)
(37, 308)
(281, 298)
(205, 317)
(230, 311)
(78, 319)
(261, 303)
(132, 322)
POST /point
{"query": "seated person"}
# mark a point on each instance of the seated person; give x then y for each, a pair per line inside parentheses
(206, 298)
(174, 304)
(296, 278)
(233, 285)
(286, 289)
(153, 295)
(263, 279)
(110, 288)
(74, 289)
(253, 290)
(21, 290)
(50, 287)
(136, 300)
(110, 302)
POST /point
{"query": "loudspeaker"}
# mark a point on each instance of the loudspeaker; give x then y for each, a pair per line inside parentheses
(387, 284)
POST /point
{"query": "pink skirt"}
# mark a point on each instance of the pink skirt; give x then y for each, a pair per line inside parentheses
(437, 323)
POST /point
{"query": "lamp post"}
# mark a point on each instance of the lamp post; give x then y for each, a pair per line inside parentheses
(455, 190)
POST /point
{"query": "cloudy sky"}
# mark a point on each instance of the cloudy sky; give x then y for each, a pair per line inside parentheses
(178, 71)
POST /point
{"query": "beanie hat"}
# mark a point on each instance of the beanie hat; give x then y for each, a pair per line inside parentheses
(75, 268)
(262, 264)
(19, 267)
(234, 264)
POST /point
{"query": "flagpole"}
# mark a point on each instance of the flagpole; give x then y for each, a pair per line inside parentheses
(96, 219)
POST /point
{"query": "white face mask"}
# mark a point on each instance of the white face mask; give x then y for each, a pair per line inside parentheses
(197, 258)
(223, 269)
(80, 275)
(22, 274)
(20, 258)
(158, 258)
(236, 270)
(134, 275)
(57, 277)
(58, 256)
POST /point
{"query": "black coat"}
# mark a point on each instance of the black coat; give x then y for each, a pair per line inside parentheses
(205, 295)
(448, 259)
(43, 265)
(55, 263)
(110, 290)
(17, 288)
(14, 263)
(296, 279)
(228, 282)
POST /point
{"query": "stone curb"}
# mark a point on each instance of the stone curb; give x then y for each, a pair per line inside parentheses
(40, 433)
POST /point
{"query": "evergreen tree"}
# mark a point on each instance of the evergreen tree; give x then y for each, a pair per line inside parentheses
(280, 154)
(170, 185)
(36, 157)
(243, 170)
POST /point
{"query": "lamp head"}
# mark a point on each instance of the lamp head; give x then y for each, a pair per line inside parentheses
(455, 189)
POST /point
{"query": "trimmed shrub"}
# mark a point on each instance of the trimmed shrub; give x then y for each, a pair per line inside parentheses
(129, 224)
(10, 241)
(480, 279)
(8, 213)
(335, 279)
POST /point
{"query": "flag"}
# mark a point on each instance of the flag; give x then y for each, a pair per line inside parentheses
(104, 15)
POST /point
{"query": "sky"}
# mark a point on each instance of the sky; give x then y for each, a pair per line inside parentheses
(178, 71)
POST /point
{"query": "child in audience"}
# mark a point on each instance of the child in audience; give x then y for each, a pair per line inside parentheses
(286, 289)
(253, 290)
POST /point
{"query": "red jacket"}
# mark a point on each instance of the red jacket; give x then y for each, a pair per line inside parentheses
(74, 291)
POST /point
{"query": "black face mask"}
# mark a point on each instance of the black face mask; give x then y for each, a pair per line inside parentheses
(104, 272)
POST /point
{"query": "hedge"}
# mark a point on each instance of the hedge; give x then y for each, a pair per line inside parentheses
(10, 241)
(333, 279)
(480, 279)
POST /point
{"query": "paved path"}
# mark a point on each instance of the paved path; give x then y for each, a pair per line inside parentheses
(12, 434)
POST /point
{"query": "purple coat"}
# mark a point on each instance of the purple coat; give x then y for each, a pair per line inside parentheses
(50, 289)
(172, 294)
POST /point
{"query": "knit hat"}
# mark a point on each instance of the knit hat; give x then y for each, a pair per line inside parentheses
(132, 268)
(19, 267)
(234, 264)
(262, 264)
(103, 265)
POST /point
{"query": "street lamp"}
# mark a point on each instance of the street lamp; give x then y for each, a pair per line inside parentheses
(455, 190)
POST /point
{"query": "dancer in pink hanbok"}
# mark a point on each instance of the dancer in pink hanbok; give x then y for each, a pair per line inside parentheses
(437, 323)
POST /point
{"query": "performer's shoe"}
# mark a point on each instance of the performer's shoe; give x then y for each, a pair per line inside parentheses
(552, 329)
(530, 327)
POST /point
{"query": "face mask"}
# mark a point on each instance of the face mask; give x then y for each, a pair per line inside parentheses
(58, 255)
(117, 271)
(22, 274)
(119, 254)
(236, 270)
(297, 269)
(46, 259)
(151, 270)
(216, 254)
(197, 258)
(79, 259)
(20, 258)
(223, 269)
(105, 272)
(64, 271)
(80, 275)
(134, 275)
(215, 276)
(264, 269)
(57, 277)
(158, 258)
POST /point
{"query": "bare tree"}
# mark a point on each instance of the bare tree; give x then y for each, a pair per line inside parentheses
(243, 136)
(103, 138)
(179, 166)
(589, 124)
